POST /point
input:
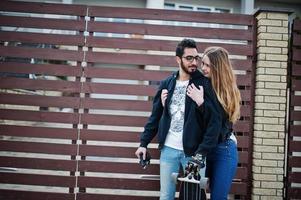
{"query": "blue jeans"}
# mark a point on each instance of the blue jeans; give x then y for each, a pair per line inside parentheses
(170, 162)
(221, 166)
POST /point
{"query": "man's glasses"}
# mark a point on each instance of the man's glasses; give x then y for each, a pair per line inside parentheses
(191, 58)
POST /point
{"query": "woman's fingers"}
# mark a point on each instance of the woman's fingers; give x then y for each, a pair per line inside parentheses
(164, 94)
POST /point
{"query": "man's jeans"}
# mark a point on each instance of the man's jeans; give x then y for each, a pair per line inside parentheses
(221, 168)
(170, 162)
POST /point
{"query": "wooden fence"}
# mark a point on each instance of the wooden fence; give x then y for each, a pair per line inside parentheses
(76, 88)
(294, 144)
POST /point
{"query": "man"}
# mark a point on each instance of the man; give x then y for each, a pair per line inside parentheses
(185, 127)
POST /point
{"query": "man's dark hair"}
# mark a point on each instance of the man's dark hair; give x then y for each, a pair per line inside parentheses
(185, 43)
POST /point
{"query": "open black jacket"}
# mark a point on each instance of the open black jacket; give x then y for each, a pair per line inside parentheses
(202, 125)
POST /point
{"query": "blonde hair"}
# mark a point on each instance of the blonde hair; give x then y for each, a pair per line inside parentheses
(224, 81)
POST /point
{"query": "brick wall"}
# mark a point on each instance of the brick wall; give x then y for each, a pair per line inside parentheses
(270, 105)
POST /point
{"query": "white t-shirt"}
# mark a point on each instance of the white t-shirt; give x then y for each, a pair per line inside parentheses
(174, 137)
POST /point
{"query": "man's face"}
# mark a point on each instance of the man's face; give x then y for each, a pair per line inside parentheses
(189, 60)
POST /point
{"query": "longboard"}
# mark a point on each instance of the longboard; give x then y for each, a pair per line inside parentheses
(193, 184)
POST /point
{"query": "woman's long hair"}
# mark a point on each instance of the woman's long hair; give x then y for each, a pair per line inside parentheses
(224, 81)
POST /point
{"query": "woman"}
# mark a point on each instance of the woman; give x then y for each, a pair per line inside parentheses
(221, 162)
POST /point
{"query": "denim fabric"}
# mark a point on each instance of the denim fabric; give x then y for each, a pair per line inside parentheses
(170, 162)
(221, 169)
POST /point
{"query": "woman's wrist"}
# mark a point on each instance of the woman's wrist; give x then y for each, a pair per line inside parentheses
(200, 102)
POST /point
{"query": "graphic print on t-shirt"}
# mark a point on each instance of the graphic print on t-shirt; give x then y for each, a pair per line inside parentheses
(177, 108)
(176, 111)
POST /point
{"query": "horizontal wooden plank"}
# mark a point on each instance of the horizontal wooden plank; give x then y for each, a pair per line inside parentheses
(42, 69)
(30, 84)
(243, 141)
(293, 192)
(295, 115)
(42, 53)
(133, 105)
(33, 179)
(167, 30)
(153, 185)
(296, 54)
(296, 69)
(244, 80)
(35, 147)
(105, 135)
(246, 111)
(294, 161)
(297, 25)
(294, 177)
(38, 132)
(295, 146)
(107, 151)
(121, 136)
(246, 95)
(239, 188)
(243, 157)
(295, 100)
(134, 59)
(118, 183)
(37, 100)
(296, 39)
(242, 126)
(91, 196)
(50, 8)
(116, 120)
(143, 59)
(42, 38)
(159, 14)
(116, 167)
(241, 173)
(37, 163)
(130, 74)
(39, 116)
(134, 168)
(128, 152)
(295, 130)
(42, 23)
(26, 195)
(295, 84)
(144, 75)
(161, 45)
(123, 89)
(129, 105)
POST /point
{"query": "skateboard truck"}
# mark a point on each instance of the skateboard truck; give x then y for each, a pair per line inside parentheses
(146, 162)
(194, 172)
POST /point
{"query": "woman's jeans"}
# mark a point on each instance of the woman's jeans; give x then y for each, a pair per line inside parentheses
(221, 166)
(170, 162)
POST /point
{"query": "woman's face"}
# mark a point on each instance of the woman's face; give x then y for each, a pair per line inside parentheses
(205, 66)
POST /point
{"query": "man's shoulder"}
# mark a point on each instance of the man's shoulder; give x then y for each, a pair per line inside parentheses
(170, 77)
(200, 78)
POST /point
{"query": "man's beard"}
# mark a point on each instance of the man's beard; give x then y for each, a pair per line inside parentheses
(186, 69)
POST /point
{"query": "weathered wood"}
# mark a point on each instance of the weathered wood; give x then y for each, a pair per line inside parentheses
(158, 14)
(166, 30)
(25, 195)
(38, 163)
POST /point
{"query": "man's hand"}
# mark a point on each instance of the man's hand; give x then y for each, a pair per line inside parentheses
(164, 94)
(139, 151)
(199, 159)
(197, 95)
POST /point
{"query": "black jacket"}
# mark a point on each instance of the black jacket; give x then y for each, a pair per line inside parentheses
(202, 125)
